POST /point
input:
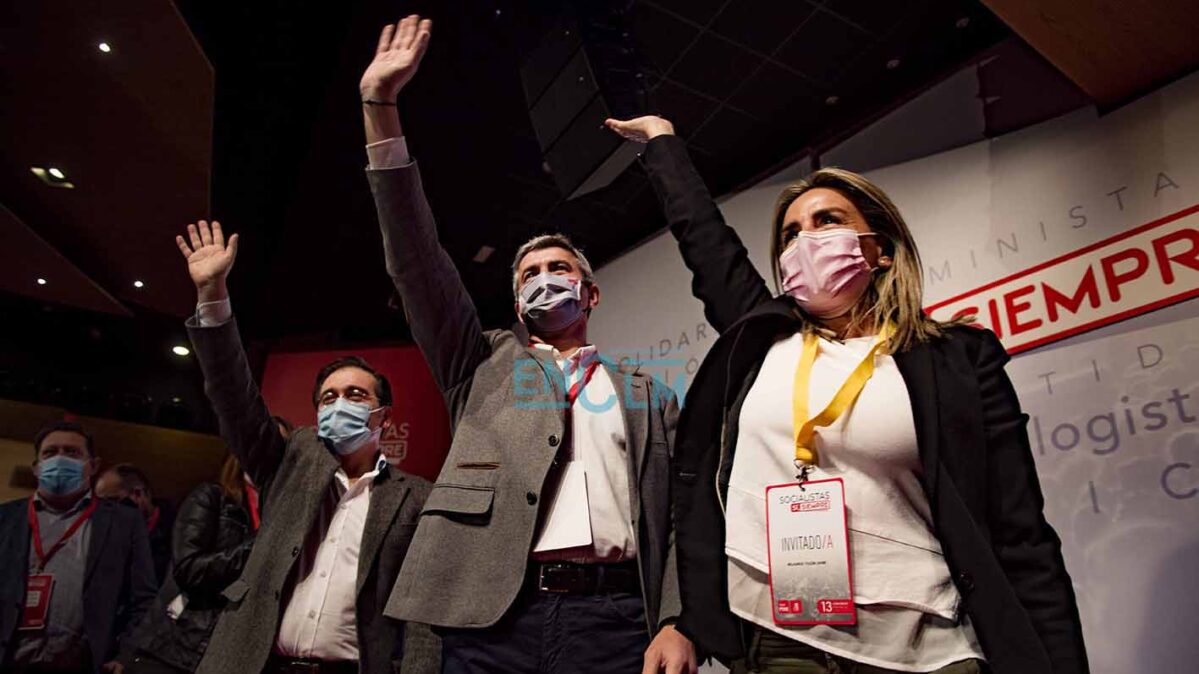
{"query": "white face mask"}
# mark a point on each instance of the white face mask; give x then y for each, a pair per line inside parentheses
(825, 272)
(550, 303)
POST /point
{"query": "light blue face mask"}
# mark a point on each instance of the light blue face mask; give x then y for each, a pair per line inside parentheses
(60, 475)
(345, 425)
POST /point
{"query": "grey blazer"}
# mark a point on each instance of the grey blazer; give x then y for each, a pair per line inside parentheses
(294, 474)
(118, 583)
(506, 402)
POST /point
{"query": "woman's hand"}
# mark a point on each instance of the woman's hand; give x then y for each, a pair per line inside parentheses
(641, 129)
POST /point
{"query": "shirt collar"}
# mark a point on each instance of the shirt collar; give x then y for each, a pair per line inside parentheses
(380, 465)
(40, 504)
(584, 354)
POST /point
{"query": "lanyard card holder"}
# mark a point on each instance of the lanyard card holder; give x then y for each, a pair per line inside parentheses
(808, 554)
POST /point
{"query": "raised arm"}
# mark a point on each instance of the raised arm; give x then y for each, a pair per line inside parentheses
(441, 314)
(245, 422)
(722, 276)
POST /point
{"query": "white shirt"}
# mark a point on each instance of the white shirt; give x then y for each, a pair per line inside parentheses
(901, 583)
(319, 621)
(598, 440)
(597, 431)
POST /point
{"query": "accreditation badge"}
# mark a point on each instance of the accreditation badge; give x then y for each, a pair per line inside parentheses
(808, 554)
(37, 601)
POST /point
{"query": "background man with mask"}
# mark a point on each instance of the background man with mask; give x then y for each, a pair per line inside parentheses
(126, 482)
(545, 545)
(80, 566)
(336, 520)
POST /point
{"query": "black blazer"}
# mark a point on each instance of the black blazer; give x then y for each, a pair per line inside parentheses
(978, 470)
(118, 584)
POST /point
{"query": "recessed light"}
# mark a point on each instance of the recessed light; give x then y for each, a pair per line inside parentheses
(139, 284)
(41, 281)
(52, 177)
(181, 350)
(104, 47)
(892, 64)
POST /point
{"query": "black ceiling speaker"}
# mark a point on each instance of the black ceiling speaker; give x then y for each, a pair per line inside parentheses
(583, 71)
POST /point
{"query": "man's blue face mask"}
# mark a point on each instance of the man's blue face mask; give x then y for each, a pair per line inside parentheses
(60, 475)
(345, 426)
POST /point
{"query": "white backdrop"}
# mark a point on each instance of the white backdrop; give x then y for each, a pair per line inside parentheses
(1113, 410)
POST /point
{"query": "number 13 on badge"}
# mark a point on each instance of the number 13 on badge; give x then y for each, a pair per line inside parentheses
(808, 553)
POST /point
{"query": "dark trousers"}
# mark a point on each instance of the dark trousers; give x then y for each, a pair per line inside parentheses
(547, 633)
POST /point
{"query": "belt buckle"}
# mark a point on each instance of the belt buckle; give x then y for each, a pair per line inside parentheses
(571, 574)
(303, 668)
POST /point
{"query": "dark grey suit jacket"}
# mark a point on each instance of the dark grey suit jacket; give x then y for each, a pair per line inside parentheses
(294, 474)
(118, 584)
(506, 402)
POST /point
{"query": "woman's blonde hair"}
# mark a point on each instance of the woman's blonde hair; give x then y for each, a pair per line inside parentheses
(895, 294)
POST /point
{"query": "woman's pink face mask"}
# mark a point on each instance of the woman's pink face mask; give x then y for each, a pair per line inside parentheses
(825, 272)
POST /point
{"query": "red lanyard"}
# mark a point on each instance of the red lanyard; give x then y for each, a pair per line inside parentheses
(43, 558)
(252, 501)
(150, 526)
(576, 388)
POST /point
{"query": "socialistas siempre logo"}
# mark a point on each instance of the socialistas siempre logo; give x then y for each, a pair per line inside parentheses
(1146, 268)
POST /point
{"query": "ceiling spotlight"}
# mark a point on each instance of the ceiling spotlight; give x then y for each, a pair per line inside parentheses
(104, 47)
(139, 284)
(483, 254)
(892, 64)
(181, 350)
(963, 22)
(832, 100)
(41, 281)
(52, 177)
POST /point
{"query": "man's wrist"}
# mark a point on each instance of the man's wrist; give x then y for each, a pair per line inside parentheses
(212, 292)
(376, 92)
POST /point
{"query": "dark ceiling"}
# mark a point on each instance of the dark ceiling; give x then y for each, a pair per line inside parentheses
(751, 85)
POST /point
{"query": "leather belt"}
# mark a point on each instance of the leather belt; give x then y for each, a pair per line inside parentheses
(584, 579)
(279, 664)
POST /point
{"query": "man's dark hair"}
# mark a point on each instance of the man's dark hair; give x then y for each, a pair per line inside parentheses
(65, 426)
(132, 478)
(382, 386)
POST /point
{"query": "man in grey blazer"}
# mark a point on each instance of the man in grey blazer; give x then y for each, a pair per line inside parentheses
(336, 518)
(92, 553)
(546, 543)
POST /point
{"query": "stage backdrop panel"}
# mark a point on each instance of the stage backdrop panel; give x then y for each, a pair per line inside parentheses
(1109, 385)
(421, 429)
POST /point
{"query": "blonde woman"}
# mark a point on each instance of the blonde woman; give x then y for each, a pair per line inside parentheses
(854, 489)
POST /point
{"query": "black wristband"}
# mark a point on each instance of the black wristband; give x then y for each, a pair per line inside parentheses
(368, 101)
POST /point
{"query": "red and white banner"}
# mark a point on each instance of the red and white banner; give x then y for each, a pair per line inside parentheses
(1152, 266)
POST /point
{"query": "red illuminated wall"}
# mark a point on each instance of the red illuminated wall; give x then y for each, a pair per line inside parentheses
(421, 430)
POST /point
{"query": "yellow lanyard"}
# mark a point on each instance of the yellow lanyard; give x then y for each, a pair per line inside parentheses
(805, 426)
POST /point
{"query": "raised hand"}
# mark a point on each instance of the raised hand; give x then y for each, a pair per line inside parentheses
(397, 57)
(641, 129)
(209, 259)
